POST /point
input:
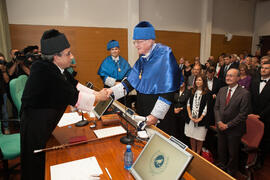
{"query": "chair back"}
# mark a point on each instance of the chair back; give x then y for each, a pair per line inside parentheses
(16, 90)
(254, 134)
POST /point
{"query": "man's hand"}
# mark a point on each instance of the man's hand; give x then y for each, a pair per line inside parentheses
(151, 120)
(222, 126)
(214, 96)
(109, 91)
(198, 120)
(177, 110)
(254, 116)
(102, 95)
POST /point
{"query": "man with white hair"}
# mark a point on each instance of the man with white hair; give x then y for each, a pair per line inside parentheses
(155, 76)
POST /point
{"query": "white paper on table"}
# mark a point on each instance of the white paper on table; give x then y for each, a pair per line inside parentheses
(69, 118)
(91, 114)
(76, 170)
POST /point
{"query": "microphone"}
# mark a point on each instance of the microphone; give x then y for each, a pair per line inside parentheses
(128, 139)
(81, 123)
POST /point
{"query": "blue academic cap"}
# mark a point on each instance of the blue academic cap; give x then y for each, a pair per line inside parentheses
(111, 44)
(144, 30)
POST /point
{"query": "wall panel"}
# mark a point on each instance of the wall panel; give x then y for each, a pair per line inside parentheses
(184, 44)
(88, 45)
(237, 45)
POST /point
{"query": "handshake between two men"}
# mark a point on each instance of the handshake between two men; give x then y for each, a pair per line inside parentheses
(104, 95)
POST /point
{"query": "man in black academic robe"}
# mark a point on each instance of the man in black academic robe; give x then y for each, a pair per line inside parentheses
(48, 91)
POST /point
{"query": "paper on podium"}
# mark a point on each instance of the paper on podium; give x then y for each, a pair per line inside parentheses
(76, 170)
(108, 132)
(69, 118)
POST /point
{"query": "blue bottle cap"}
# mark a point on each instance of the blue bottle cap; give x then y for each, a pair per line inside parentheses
(128, 146)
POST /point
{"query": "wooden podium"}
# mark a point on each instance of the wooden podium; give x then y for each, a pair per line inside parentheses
(109, 153)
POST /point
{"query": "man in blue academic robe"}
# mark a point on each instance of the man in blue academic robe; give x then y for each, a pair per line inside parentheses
(155, 76)
(114, 68)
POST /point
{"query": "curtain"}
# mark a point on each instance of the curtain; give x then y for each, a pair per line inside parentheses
(5, 43)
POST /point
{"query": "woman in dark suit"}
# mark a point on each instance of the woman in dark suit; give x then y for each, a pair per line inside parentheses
(180, 111)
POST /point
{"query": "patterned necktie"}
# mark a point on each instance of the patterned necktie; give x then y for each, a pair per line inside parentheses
(228, 97)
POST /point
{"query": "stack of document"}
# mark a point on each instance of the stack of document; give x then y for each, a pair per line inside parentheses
(81, 169)
(69, 118)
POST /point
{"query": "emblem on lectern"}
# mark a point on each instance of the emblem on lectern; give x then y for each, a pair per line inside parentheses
(158, 162)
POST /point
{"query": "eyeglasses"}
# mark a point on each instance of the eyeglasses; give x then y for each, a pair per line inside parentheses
(139, 42)
(66, 54)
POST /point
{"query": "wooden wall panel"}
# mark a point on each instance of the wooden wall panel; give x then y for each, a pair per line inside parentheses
(88, 45)
(237, 45)
(184, 44)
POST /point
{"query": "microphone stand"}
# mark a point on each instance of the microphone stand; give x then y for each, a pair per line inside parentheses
(128, 139)
(81, 123)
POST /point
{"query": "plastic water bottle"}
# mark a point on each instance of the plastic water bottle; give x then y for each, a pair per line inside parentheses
(128, 158)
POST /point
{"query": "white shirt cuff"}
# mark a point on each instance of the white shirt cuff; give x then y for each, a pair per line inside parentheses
(85, 101)
(119, 91)
(85, 89)
(109, 81)
(161, 108)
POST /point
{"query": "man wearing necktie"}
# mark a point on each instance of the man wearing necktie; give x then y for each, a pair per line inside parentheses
(181, 64)
(260, 97)
(231, 110)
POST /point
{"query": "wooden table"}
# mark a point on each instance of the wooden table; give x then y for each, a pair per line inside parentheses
(109, 153)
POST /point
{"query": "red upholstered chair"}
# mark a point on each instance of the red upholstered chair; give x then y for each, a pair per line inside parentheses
(251, 141)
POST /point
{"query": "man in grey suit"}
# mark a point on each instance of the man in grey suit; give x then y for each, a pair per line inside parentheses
(231, 110)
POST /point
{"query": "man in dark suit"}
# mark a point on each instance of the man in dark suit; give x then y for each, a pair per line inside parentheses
(212, 82)
(231, 110)
(182, 63)
(234, 61)
(224, 69)
(260, 97)
(214, 86)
